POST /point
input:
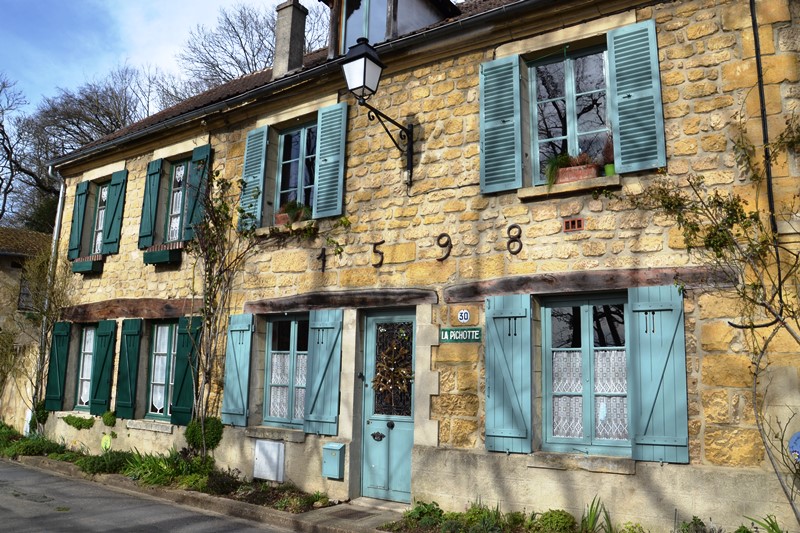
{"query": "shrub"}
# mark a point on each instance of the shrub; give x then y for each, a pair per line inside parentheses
(109, 419)
(78, 422)
(424, 515)
(110, 462)
(631, 527)
(39, 416)
(8, 435)
(194, 433)
(33, 445)
(554, 521)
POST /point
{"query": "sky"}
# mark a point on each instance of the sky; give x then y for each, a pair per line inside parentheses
(46, 44)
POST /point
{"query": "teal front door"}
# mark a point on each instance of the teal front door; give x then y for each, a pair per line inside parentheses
(388, 406)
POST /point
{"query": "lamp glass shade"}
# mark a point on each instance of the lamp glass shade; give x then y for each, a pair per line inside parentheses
(362, 70)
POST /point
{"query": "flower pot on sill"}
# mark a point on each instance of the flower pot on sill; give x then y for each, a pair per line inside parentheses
(570, 174)
(609, 169)
(281, 219)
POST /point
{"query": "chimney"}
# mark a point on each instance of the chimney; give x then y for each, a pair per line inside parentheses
(290, 38)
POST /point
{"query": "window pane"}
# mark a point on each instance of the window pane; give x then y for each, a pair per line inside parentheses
(300, 365)
(281, 336)
(377, 21)
(567, 371)
(157, 399)
(568, 416)
(552, 120)
(566, 327)
(590, 110)
(311, 141)
(162, 339)
(302, 335)
(86, 366)
(590, 72)
(289, 176)
(88, 340)
(83, 395)
(175, 206)
(159, 369)
(592, 144)
(609, 325)
(279, 402)
(178, 174)
(550, 81)
(610, 372)
(280, 368)
(611, 418)
(291, 146)
(354, 14)
(299, 403)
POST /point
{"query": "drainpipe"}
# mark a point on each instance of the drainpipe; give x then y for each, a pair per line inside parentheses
(51, 274)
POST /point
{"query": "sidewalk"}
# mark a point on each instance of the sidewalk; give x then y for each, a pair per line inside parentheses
(362, 515)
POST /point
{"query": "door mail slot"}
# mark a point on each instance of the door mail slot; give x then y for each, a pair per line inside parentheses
(333, 460)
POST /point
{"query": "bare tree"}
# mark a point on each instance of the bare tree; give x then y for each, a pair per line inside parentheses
(242, 42)
(11, 101)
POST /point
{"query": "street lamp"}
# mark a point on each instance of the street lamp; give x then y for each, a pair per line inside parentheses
(362, 70)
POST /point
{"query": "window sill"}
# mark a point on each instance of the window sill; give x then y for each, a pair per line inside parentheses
(589, 463)
(287, 228)
(91, 264)
(150, 425)
(265, 432)
(164, 254)
(564, 189)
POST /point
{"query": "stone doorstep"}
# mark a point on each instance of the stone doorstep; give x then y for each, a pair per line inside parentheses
(365, 517)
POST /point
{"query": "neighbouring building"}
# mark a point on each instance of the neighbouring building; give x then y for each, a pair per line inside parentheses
(19, 331)
(483, 335)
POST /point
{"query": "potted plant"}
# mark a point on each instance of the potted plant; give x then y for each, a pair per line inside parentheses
(563, 168)
(608, 157)
(292, 211)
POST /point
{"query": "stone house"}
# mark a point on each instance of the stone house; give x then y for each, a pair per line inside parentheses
(481, 328)
(22, 340)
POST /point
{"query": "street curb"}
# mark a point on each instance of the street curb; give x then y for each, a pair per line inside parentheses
(316, 521)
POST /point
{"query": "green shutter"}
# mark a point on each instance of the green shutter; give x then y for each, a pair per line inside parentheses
(78, 215)
(637, 117)
(102, 364)
(195, 190)
(329, 169)
(508, 374)
(114, 208)
(324, 364)
(128, 371)
(501, 125)
(237, 370)
(57, 368)
(147, 224)
(658, 354)
(185, 362)
(255, 157)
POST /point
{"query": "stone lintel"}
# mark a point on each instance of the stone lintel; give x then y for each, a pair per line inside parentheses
(341, 299)
(149, 308)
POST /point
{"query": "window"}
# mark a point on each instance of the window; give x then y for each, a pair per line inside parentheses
(85, 367)
(302, 359)
(96, 220)
(569, 111)
(586, 374)
(162, 364)
(172, 203)
(364, 18)
(302, 164)
(287, 361)
(569, 105)
(613, 375)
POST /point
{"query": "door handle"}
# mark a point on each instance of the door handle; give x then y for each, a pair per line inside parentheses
(390, 424)
(378, 436)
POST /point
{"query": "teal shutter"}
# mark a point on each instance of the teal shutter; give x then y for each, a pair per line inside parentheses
(658, 354)
(102, 364)
(501, 125)
(195, 190)
(324, 364)
(78, 215)
(508, 374)
(329, 169)
(637, 117)
(114, 208)
(237, 370)
(147, 224)
(56, 370)
(185, 362)
(128, 371)
(255, 158)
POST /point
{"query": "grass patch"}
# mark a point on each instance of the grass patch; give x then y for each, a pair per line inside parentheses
(78, 422)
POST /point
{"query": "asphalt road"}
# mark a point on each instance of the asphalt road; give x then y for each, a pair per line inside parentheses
(35, 501)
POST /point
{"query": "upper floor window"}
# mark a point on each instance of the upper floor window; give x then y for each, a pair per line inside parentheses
(97, 216)
(173, 198)
(570, 105)
(364, 18)
(300, 165)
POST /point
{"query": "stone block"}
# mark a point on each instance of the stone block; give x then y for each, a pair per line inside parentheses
(464, 433)
(290, 261)
(721, 42)
(717, 305)
(681, 51)
(399, 253)
(739, 74)
(766, 41)
(675, 77)
(358, 277)
(699, 90)
(716, 336)
(467, 380)
(781, 68)
(738, 447)
(726, 370)
(700, 30)
(457, 353)
(676, 111)
(716, 406)
(711, 104)
(427, 272)
(772, 97)
(717, 142)
(447, 405)
(482, 267)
